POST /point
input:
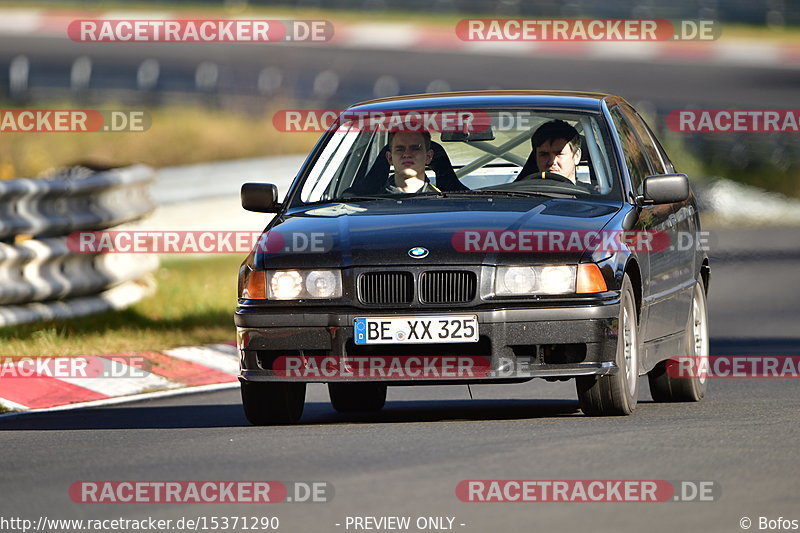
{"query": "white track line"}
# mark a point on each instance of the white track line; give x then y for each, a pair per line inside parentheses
(216, 359)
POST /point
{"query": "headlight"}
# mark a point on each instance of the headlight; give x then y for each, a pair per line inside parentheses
(557, 280)
(322, 284)
(300, 284)
(285, 284)
(517, 280)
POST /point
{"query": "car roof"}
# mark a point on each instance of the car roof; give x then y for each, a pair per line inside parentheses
(572, 100)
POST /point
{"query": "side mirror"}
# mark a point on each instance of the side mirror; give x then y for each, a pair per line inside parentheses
(664, 189)
(260, 197)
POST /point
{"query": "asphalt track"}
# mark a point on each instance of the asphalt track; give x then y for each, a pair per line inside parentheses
(407, 460)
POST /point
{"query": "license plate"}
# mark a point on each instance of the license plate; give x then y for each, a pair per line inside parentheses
(416, 330)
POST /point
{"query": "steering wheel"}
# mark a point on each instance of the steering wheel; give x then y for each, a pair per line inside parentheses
(547, 176)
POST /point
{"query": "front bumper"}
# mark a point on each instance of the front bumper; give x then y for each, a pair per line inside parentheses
(515, 344)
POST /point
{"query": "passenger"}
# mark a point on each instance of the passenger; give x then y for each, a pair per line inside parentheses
(557, 146)
(409, 152)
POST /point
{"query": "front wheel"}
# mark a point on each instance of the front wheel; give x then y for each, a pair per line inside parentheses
(618, 393)
(666, 382)
(273, 403)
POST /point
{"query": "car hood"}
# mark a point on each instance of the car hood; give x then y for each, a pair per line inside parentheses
(382, 232)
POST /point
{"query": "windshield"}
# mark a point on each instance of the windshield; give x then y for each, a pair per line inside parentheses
(484, 152)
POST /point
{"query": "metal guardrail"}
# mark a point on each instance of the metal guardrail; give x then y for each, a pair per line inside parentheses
(78, 199)
(41, 278)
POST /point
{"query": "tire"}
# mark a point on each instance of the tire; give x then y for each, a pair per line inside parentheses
(665, 383)
(357, 397)
(616, 394)
(273, 403)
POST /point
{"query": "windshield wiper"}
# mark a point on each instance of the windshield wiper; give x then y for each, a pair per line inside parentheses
(392, 196)
(497, 192)
(361, 198)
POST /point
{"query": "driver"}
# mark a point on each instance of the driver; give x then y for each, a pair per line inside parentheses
(557, 146)
(409, 152)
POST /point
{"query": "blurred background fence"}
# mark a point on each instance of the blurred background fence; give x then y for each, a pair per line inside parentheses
(771, 12)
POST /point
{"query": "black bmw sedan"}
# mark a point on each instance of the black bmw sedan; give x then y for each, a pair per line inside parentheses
(481, 237)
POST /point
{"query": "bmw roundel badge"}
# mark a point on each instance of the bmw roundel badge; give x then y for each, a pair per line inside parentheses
(418, 252)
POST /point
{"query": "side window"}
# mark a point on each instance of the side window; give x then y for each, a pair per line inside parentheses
(653, 154)
(664, 157)
(328, 166)
(632, 150)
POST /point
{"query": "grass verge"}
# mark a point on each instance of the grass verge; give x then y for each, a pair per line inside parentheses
(193, 305)
(177, 136)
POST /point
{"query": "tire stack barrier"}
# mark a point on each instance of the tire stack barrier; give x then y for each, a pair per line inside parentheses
(40, 277)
